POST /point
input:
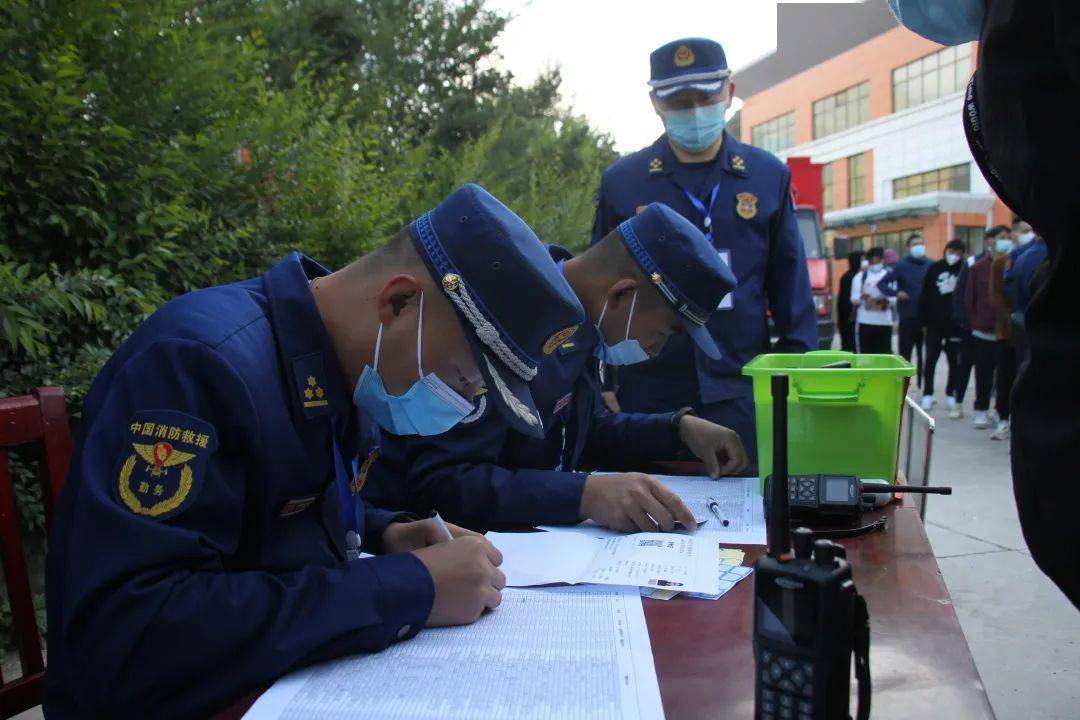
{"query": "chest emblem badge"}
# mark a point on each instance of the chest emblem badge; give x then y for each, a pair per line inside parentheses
(746, 205)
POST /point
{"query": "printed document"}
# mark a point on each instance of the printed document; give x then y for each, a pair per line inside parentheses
(686, 563)
(578, 653)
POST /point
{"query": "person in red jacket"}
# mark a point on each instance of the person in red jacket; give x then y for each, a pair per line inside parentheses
(982, 317)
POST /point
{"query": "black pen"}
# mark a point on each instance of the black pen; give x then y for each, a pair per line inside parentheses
(714, 507)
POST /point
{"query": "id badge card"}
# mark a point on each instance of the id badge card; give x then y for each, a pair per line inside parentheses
(728, 303)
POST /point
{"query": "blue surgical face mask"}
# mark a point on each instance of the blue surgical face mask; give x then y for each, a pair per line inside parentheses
(918, 251)
(695, 128)
(1003, 245)
(949, 22)
(430, 407)
(626, 352)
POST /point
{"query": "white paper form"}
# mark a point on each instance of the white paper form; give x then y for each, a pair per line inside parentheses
(739, 500)
(658, 560)
(546, 654)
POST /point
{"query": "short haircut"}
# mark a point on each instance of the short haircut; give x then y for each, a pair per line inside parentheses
(611, 255)
(875, 252)
(913, 238)
(397, 252)
(956, 244)
(997, 230)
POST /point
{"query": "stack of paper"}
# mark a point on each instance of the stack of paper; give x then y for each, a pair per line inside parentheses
(657, 560)
(732, 571)
(552, 653)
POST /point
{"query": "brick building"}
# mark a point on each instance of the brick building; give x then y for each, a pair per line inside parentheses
(880, 107)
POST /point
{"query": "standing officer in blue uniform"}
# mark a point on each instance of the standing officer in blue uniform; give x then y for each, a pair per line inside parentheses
(654, 278)
(740, 196)
(198, 551)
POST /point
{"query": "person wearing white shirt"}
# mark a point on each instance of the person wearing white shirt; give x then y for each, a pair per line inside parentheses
(874, 317)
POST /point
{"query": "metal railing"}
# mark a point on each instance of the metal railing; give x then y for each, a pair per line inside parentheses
(916, 447)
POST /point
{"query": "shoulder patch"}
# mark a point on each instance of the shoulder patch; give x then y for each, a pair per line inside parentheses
(558, 338)
(166, 463)
(365, 469)
(568, 348)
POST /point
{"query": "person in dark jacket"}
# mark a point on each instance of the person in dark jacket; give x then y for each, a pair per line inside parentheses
(845, 320)
(1006, 362)
(936, 317)
(966, 358)
(1019, 275)
(904, 281)
(1022, 133)
(983, 319)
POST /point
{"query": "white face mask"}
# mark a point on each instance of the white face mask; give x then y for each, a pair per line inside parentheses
(864, 263)
(1026, 237)
(877, 268)
(953, 258)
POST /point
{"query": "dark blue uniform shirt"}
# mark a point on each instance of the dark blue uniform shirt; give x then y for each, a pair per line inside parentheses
(753, 227)
(198, 550)
(1025, 260)
(484, 473)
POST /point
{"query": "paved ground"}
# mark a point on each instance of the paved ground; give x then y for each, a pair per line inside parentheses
(1023, 633)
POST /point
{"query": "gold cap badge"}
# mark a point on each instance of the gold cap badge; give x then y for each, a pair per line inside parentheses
(684, 56)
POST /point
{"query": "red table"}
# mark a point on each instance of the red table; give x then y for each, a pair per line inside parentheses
(920, 661)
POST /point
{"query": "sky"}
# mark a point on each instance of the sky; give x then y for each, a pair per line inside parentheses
(603, 46)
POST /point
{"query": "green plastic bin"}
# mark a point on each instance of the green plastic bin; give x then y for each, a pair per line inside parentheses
(840, 420)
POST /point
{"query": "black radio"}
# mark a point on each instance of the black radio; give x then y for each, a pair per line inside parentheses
(808, 617)
(836, 498)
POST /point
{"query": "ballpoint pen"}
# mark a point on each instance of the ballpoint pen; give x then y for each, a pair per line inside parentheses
(714, 508)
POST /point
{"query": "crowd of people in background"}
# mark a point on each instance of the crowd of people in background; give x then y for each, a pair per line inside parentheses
(967, 307)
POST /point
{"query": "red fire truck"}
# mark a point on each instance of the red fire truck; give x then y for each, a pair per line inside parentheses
(807, 192)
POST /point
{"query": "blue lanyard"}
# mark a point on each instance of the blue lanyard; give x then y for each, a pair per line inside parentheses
(706, 212)
(351, 504)
(565, 414)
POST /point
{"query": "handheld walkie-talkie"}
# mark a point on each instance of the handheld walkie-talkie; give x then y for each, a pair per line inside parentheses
(836, 498)
(808, 618)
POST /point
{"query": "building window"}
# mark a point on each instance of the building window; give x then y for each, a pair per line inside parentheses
(826, 187)
(974, 238)
(841, 111)
(776, 134)
(896, 240)
(957, 177)
(928, 78)
(856, 173)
